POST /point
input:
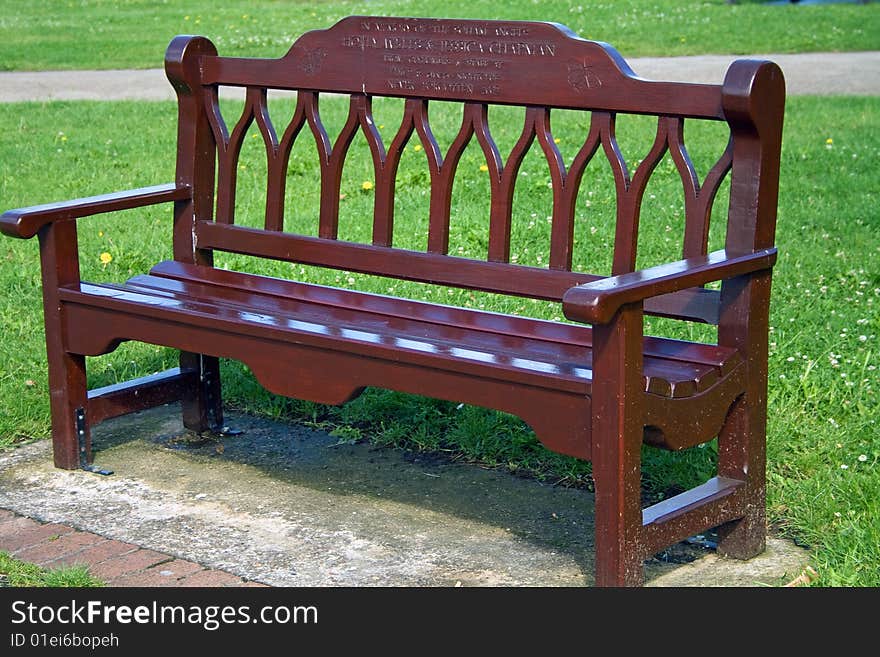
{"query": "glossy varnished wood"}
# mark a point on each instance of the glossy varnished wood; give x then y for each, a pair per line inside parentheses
(26, 222)
(595, 387)
(138, 394)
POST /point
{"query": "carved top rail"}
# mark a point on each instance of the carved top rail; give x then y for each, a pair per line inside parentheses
(513, 62)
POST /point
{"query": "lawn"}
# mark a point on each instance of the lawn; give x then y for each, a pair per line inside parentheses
(824, 447)
(62, 34)
(823, 438)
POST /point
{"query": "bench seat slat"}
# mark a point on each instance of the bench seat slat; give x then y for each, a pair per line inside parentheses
(723, 358)
(662, 376)
(519, 360)
(219, 315)
(371, 323)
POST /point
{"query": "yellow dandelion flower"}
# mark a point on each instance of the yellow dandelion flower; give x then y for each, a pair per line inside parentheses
(100, 233)
(829, 141)
(366, 185)
(484, 167)
(417, 148)
(106, 258)
(557, 140)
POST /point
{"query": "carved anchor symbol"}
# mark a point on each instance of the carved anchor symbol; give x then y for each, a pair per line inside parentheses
(581, 77)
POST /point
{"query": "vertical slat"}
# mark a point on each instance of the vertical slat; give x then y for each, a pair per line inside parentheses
(331, 176)
(696, 228)
(606, 123)
(429, 143)
(499, 210)
(680, 156)
(562, 226)
(221, 139)
(386, 177)
(629, 196)
(328, 222)
(502, 201)
(229, 150)
(690, 183)
(383, 199)
(278, 157)
(359, 116)
(279, 161)
(215, 117)
(562, 230)
(438, 228)
(441, 183)
(274, 215)
(364, 106)
(696, 235)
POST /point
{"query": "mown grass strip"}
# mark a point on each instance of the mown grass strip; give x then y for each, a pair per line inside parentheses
(100, 34)
(14, 572)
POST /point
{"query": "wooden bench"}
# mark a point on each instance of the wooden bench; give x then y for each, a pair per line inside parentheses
(594, 387)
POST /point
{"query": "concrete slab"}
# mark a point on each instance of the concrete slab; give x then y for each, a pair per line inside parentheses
(289, 506)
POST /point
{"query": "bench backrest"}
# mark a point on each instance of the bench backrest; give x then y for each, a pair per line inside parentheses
(539, 66)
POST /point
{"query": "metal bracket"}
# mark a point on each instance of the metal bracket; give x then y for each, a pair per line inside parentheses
(80, 417)
(216, 427)
(226, 431)
(701, 541)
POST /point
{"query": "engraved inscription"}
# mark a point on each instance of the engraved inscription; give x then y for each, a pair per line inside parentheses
(467, 58)
(312, 60)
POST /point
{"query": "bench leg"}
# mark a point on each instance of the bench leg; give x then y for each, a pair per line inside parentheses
(616, 452)
(202, 404)
(68, 402)
(741, 455)
(68, 394)
(742, 451)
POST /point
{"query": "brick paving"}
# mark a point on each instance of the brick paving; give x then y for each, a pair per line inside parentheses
(116, 563)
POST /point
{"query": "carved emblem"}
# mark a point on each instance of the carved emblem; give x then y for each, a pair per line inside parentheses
(312, 60)
(581, 77)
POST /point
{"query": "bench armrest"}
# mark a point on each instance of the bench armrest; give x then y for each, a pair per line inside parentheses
(597, 301)
(26, 222)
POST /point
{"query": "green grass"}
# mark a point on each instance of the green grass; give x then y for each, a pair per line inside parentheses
(65, 34)
(823, 438)
(19, 573)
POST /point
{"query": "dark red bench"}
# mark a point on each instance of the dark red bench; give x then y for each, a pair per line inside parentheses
(595, 388)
